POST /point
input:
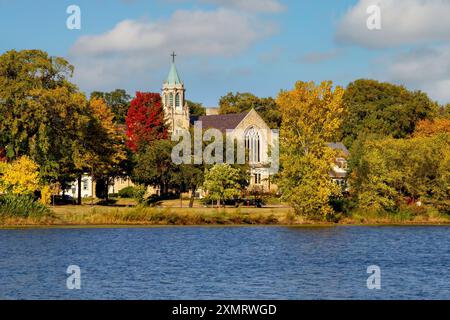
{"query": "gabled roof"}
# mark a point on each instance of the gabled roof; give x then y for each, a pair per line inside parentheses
(173, 77)
(339, 146)
(221, 122)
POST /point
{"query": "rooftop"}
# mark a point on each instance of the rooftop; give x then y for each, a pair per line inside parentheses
(339, 146)
(221, 122)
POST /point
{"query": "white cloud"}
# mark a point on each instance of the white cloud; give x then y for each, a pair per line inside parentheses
(403, 22)
(221, 32)
(251, 5)
(422, 25)
(427, 69)
(136, 48)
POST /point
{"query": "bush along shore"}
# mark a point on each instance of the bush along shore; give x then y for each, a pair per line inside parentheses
(86, 215)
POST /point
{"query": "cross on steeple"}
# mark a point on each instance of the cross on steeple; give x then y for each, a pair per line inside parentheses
(173, 57)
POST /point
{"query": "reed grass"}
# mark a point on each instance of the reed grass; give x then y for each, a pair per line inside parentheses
(87, 215)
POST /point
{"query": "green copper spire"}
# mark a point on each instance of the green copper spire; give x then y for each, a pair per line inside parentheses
(173, 77)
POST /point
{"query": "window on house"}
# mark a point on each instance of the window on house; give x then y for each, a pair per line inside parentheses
(341, 163)
(257, 178)
(171, 99)
(85, 184)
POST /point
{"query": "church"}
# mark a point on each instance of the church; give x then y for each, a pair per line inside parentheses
(246, 125)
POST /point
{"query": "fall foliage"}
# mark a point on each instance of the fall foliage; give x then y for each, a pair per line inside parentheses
(312, 115)
(145, 120)
(20, 177)
(426, 128)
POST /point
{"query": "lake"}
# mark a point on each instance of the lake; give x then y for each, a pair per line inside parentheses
(226, 263)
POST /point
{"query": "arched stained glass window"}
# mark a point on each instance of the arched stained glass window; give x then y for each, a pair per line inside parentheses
(252, 145)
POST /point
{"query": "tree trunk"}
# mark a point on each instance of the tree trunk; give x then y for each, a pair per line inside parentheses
(79, 190)
(162, 190)
(191, 200)
(107, 190)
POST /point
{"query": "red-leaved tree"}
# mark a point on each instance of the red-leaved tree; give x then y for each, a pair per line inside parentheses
(145, 120)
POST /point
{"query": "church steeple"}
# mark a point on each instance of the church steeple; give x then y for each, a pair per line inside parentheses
(173, 78)
(173, 96)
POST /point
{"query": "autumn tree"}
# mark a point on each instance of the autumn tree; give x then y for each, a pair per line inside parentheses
(145, 120)
(428, 128)
(311, 117)
(240, 102)
(19, 177)
(103, 146)
(118, 101)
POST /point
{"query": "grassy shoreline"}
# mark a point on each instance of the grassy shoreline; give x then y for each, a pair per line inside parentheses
(88, 216)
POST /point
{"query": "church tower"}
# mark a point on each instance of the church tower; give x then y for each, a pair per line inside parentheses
(176, 109)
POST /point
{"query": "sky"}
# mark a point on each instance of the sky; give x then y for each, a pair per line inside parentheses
(257, 46)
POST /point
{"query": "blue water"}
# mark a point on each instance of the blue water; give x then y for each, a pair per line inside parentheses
(226, 263)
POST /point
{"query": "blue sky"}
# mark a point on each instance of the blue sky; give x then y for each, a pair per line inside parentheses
(258, 46)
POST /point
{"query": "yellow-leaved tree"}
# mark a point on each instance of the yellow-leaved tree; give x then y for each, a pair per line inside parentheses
(311, 117)
(20, 177)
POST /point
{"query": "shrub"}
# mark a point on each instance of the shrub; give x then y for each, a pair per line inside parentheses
(139, 194)
(127, 192)
(22, 206)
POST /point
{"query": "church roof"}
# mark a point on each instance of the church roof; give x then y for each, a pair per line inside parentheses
(173, 77)
(221, 122)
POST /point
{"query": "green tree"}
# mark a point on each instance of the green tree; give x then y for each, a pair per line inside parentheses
(196, 109)
(311, 117)
(445, 111)
(222, 183)
(118, 101)
(190, 177)
(154, 166)
(391, 172)
(240, 102)
(382, 109)
(41, 112)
